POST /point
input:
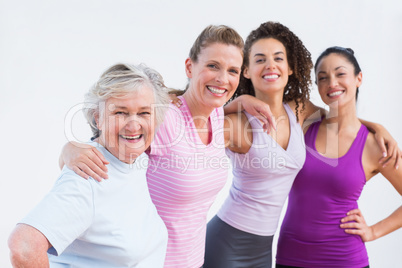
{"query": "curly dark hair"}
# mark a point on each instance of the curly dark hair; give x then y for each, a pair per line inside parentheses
(299, 58)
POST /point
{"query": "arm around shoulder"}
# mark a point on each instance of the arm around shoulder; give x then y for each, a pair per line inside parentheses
(84, 159)
(28, 247)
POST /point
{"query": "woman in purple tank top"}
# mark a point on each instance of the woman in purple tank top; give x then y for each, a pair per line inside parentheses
(323, 226)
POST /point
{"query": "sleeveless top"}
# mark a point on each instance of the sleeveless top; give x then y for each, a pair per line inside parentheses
(184, 177)
(262, 179)
(323, 192)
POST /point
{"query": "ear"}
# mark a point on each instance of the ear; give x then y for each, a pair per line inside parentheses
(189, 67)
(290, 71)
(96, 117)
(245, 73)
(359, 78)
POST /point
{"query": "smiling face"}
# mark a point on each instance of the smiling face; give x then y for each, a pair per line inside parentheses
(127, 124)
(336, 80)
(268, 67)
(215, 76)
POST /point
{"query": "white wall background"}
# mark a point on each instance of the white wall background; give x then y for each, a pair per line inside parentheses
(52, 51)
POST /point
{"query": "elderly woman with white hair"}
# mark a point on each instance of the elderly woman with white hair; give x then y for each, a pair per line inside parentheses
(84, 223)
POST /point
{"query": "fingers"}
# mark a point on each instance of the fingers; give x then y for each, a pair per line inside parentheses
(95, 166)
(264, 121)
(398, 158)
(355, 232)
(350, 225)
(102, 159)
(177, 102)
(394, 155)
(85, 171)
(383, 148)
(391, 155)
(80, 173)
(354, 211)
(353, 215)
(266, 112)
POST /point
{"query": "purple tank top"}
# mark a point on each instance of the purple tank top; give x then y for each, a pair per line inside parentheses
(323, 192)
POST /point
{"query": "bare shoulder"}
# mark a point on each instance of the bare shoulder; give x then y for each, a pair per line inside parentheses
(235, 120)
(306, 111)
(372, 147)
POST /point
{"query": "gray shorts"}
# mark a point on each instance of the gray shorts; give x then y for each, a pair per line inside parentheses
(228, 247)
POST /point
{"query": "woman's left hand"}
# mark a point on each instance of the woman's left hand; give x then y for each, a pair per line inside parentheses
(354, 223)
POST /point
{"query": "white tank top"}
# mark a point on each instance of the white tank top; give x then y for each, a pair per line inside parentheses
(262, 179)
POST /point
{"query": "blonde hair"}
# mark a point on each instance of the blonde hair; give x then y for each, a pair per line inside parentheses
(215, 34)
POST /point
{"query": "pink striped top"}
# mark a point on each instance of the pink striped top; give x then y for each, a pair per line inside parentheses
(184, 176)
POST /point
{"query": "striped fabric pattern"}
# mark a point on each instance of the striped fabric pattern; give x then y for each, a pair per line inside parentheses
(184, 176)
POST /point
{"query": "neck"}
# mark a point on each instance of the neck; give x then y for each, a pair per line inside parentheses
(200, 113)
(342, 117)
(122, 158)
(274, 100)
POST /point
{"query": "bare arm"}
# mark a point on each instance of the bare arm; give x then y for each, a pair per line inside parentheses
(28, 247)
(85, 160)
(253, 106)
(385, 226)
(238, 133)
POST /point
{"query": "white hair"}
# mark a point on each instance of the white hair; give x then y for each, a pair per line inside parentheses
(119, 80)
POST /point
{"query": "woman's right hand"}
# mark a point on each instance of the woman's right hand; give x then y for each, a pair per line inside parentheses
(85, 160)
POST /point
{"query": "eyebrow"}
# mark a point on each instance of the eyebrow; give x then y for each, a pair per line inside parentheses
(125, 107)
(217, 62)
(262, 54)
(336, 69)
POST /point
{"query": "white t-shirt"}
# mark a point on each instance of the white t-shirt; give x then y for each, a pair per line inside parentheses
(108, 224)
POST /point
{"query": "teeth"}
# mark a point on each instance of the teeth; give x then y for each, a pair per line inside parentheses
(216, 91)
(272, 76)
(131, 137)
(336, 93)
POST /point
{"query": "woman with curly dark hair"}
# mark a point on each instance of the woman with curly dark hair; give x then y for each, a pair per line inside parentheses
(276, 71)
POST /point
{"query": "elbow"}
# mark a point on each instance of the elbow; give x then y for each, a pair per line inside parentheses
(22, 253)
(18, 257)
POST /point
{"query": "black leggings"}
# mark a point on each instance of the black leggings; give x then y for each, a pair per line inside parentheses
(228, 247)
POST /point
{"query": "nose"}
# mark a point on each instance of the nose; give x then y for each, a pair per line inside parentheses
(270, 64)
(222, 77)
(333, 82)
(133, 124)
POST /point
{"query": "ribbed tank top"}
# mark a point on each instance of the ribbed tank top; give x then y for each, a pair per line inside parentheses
(323, 192)
(262, 179)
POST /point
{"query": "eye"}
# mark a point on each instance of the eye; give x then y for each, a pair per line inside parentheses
(212, 66)
(279, 59)
(341, 74)
(261, 60)
(322, 78)
(234, 71)
(145, 114)
(120, 113)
